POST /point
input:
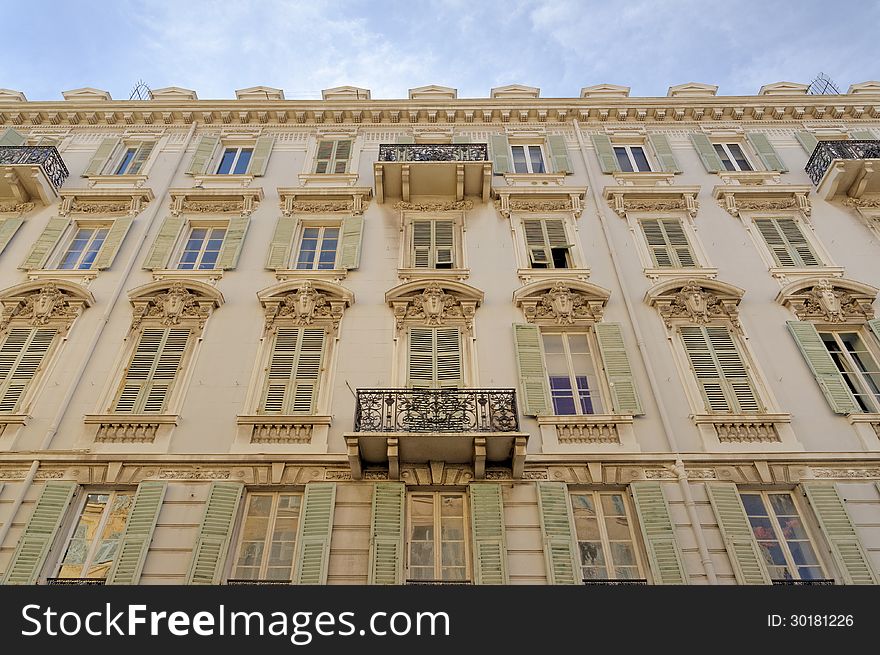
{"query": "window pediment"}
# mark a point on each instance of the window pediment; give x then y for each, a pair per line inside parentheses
(699, 301)
(533, 200)
(304, 302)
(215, 201)
(829, 300)
(562, 302)
(353, 200)
(734, 198)
(434, 302)
(626, 198)
(129, 201)
(172, 303)
(41, 302)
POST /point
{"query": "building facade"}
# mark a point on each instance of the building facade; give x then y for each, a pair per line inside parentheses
(504, 340)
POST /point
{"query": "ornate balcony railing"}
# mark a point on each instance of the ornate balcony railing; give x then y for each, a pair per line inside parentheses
(436, 410)
(46, 157)
(617, 583)
(415, 152)
(827, 151)
(76, 581)
(802, 583)
(256, 583)
(456, 583)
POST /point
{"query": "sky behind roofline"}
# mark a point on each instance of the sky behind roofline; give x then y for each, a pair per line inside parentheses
(215, 47)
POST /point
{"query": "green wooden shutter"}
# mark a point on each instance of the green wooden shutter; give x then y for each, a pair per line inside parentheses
(212, 543)
(422, 243)
(664, 553)
(807, 140)
(719, 369)
(140, 157)
(101, 156)
(341, 155)
(150, 376)
(668, 243)
(771, 159)
(167, 237)
(830, 509)
(824, 369)
(386, 533)
(233, 242)
(605, 152)
(559, 154)
(12, 137)
(8, 228)
(138, 534)
(33, 546)
(533, 381)
(294, 372)
(352, 234)
(706, 151)
(282, 242)
(487, 522)
(556, 528)
(315, 529)
(624, 396)
(536, 242)
(203, 155)
(776, 242)
(665, 156)
(45, 244)
(499, 148)
(443, 242)
(260, 157)
(739, 540)
(875, 327)
(434, 357)
(862, 135)
(404, 139)
(448, 356)
(21, 357)
(460, 138)
(112, 243)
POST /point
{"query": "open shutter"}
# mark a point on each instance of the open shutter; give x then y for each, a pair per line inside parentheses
(807, 140)
(532, 372)
(138, 534)
(21, 357)
(315, 528)
(12, 137)
(112, 242)
(875, 327)
(160, 252)
(605, 152)
(823, 367)
(233, 242)
(153, 369)
(658, 245)
(771, 159)
(282, 242)
(559, 154)
(499, 148)
(536, 242)
(352, 233)
(678, 243)
(212, 542)
(45, 244)
(141, 156)
(487, 522)
(556, 528)
(798, 243)
(739, 540)
(444, 242)
(203, 155)
(862, 135)
(624, 396)
(8, 228)
(850, 557)
(102, 154)
(260, 157)
(706, 151)
(664, 553)
(33, 546)
(386, 533)
(665, 156)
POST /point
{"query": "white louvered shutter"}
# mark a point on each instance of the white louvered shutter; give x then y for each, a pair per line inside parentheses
(787, 242)
(720, 370)
(668, 243)
(434, 357)
(153, 370)
(21, 358)
(294, 371)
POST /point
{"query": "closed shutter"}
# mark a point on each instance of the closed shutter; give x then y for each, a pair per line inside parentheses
(151, 374)
(706, 151)
(739, 540)
(433, 243)
(499, 148)
(664, 553)
(556, 529)
(624, 396)
(770, 158)
(12, 137)
(260, 157)
(160, 252)
(294, 371)
(138, 534)
(605, 152)
(45, 244)
(861, 135)
(8, 228)
(386, 533)
(559, 154)
(332, 156)
(461, 138)
(212, 542)
(203, 155)
(233, 242)
(827, 375)
(533, 382)
(101, 156)
(404, 139)
(487, 523)
(787, 242)
(21, 358)
(849, 555)
(434, 357)
(315, 528)
(352, 235)
(140, 157)
(282, 242)
(112, 243)
(668, 243)
(807, 140)
(719, 370)
(665, 156)
(33, 546)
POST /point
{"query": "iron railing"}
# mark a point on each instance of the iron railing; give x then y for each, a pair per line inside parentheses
(76, 581)
(415, 152)
(436, 410)
(252, 583)
(826, 152)
(617, 583)
(46, 157)
(439, 582)
(802, 583)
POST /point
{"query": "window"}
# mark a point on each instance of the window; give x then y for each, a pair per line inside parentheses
(547, 244)
(787, 242)
(572, 372)
(668, 243)
(85, 246)
(202, 248)
(125, 163)
(719, 369)
(437, 546)
(318, 246)
(152, 371)
(606, 542)
(782, 536)
(856, 364)
(21, 357)
(94, 542)
(528, 158)
(632, 159)
(433, 243)
(235, 160)
(732, 157)
(268, 537)
(294, 371)
(333, 156)
(434, 357)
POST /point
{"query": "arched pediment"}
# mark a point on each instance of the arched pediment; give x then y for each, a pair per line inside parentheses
(41, 302)
(695, 300)
(832, 300)
(172, 302)
(434, 302)
(561, 302)
(304, 302)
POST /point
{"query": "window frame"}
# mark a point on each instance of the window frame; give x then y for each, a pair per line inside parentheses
(826, 267)
(630, 514)
(570, 247)
(64, 244)
(437, 532)
(333, 159)
(872, 349)
(322, 225)
(407, 267)
(627, 148)
(725, 144)
(239, 147)
(602, 391)
(238, 541)
(117, 157)
(183, 239)
(526, 145)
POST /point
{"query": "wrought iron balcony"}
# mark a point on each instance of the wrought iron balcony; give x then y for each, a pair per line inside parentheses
(617, 583)
(433, 152)
(436, 410)
(256, 583)
(802, 583)
(76, 581)
(454, 583)
(37, 172)
(845, 168)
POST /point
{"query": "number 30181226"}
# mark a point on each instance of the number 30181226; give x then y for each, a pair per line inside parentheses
(810, 621)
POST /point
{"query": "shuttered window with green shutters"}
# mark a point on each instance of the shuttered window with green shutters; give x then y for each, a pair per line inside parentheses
(668, 243)
(533, 380)
(857, 364)
(746, 557)
(315, 529)
(386, 533)
(487, 529)
(437, 543)
(618, 373)
(433, 243)
(212, 542)
(606, 541)
(267, 543)
(557, 533)
(665, 156)
(8, 228)
(88, 245)
(825, 369)
(22, 357)
(658, 531)
(129, 159)
(571, 372)
(434, 358)
(547, 244)
(769, 157)
(138, 533)
(333, 156)
(293, 374)
(152, 371)
(787, 242)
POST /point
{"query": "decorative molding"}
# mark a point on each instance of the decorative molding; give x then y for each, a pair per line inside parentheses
(536, 200)
(587, 432)
(734, 198)
(219, 200)
(282, 432)
(451, 205)
(19, 208)
(303, 302)
(644, 198)
(865, 202)
(353, 200)
(561, 302)
(130, 201)
(194, 474)
(174, 302)
(847, 473)
(831, 300)
(127, 432)
(41, 302)
(435, 302)
(698, 301)
(746, 432)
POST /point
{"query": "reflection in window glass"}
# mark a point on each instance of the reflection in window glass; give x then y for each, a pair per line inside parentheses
(606, 544)
(437, 549)
(268, 537)
(202, 248)
(94, 543)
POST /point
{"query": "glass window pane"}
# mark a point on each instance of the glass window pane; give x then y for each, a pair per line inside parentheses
(754, 504)
(638, 154)
(739, 156)
(519, 159)
(244, 160)
(725, 159)
(623, 160)
(537, 159)
(126, 161)
(226, 161)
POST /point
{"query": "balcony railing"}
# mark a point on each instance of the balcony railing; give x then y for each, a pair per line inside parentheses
(416, 152)
(802, 583)
(617, 583)
(457, 583)
(46, 157)
(436, 410)
(827, 151)
(76, 581)
(256, 583)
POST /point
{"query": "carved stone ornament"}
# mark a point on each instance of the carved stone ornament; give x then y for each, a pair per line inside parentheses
(831, 303)
(867, 202)
(321, 207)
(562, 305)
(16, 207)
(636, 199)
(215, 201)
(45, 305)
(452, 205)
(509, 202)
(696, 303)
(305, 305)
(736, 198)
(434, 306)
(91, 202)
(172, 306)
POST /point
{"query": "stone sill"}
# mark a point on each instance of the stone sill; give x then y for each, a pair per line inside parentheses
(328, 179)
(215, 181)
(135, 181)
(433, 273)
(790, 272)
(863, 418)
(570, 419)
(526, 274)
(655, 273)
(131, 419)
(207, 275)
(534, 179)
(641, 178)
(749, 178)
(282, 419)
(778, 417)
(82, 277)
(14, 419)
(334, 274)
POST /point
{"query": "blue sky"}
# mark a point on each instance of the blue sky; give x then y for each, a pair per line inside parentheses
(560, 46)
